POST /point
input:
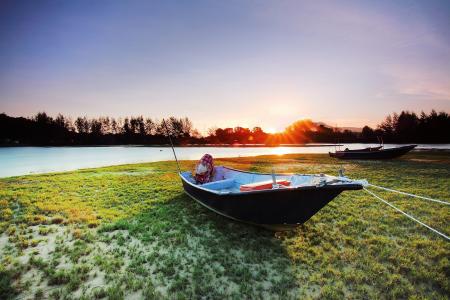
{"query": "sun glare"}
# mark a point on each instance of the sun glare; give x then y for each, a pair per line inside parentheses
(279, 150)
(271, 130)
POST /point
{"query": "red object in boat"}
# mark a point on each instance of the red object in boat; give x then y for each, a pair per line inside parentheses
(263, 185)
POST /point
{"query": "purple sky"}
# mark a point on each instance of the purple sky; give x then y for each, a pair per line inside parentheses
(226, 63)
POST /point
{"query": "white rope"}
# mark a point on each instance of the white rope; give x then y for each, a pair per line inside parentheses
(408, 194)
(409, 216)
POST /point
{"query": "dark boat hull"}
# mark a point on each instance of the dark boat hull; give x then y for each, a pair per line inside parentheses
(378, 154)
(280, 209)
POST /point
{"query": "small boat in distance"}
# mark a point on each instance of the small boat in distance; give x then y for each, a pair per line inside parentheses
(274, 201)
(373, 153)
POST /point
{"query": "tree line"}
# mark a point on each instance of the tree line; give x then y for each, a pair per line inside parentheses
(408, 127)
(42, 129)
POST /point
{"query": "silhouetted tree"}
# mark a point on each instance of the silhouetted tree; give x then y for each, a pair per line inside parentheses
(105, 124)
(42, 118)
(141, 125)
(150, 127)
(126, 127)
(368, 134)
(95, 127)
(61, 122)
(82, 125)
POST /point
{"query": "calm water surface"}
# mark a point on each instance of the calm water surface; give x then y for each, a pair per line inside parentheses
(16, 161)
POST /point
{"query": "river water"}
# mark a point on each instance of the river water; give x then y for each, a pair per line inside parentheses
(16, 161)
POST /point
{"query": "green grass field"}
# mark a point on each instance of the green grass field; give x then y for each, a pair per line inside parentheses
(130, 232)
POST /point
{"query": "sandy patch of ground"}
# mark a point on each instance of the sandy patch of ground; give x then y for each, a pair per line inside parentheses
(423, 160)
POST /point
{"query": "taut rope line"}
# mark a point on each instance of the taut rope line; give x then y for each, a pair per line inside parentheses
(409, 216)
(408, 194)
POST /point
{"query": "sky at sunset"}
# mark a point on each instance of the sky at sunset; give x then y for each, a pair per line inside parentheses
(226, 63)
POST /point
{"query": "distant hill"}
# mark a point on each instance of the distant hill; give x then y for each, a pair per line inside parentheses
(352, 129)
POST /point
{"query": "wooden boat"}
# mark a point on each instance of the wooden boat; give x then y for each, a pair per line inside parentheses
(373, 153)
(238, 195)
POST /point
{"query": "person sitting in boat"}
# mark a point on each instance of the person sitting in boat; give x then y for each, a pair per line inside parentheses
(204, 170)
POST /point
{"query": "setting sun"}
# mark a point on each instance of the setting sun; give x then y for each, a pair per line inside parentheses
(271, 130)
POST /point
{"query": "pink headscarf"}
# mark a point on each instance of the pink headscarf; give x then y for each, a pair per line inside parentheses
(204, 170)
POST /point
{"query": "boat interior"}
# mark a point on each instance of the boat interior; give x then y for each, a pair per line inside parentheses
(228, 180)
(365, 149)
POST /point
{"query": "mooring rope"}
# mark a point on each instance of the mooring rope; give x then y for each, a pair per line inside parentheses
(409, 216)
(408, 194)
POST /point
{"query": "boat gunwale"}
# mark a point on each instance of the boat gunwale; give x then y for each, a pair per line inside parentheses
(348, 186)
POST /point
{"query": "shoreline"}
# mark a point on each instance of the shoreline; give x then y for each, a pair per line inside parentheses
(421, 151)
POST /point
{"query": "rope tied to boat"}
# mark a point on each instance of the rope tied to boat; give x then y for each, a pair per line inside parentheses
(406, 214)
(408, 194)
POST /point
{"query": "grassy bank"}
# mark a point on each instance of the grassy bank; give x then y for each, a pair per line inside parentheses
(130, 231)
